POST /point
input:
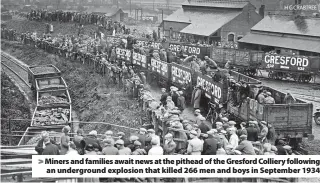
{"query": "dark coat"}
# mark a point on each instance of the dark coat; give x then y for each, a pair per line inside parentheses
(203, 128)
(39, 147)
(281, 150)
(51, 149)
(246, 148)
(253, 134)
(91, 139)
(142, 140)
(210, 146)
(163, 99)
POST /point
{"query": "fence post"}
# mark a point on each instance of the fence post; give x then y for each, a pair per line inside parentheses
(10, 134)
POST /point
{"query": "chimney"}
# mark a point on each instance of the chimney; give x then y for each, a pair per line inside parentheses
(261, 11)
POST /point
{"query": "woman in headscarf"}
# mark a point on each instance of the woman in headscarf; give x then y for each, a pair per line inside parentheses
(65, 139)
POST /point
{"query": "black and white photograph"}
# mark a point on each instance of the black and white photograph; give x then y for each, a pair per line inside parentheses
(87, 85)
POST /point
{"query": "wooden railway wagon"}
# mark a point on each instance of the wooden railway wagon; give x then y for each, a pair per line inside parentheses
(35, 132)
(41, 71)
(244, 61)
(52, 115)
(291, 121)
(296, 67)
(52, 91)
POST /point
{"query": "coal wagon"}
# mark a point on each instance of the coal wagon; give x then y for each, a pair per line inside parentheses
(296, 67)
(243, 61)
(52, 92)
(41, 71)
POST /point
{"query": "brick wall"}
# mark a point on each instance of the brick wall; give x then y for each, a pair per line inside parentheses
(242, 24)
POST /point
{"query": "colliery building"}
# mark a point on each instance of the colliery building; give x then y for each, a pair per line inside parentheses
(211, 21)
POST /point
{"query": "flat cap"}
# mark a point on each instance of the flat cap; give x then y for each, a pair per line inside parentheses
(107, 141)
(232, 123)
(108, 132)
(197, 111)
(243, 136)
(143, 130)
(219, 123)
(137, 143)
(133, 138)
(223, 132)
(193, 132)
(121, 134)
(286, 147)
(169, 135)
(274, 148)
(151, 131)
(154, 141)
(93, 132)
(263, 122)
(120, 142)
(243, 123)
(225, 119)
(268, 93)
(195, 125)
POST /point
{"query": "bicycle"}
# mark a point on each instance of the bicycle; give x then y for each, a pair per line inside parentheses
(212, 115)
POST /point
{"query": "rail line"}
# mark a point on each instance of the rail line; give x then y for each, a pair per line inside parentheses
(18, 73)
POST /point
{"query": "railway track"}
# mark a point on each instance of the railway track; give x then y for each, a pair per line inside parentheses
(18, 73)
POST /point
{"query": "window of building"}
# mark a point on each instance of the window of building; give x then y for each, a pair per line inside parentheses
(231, 37)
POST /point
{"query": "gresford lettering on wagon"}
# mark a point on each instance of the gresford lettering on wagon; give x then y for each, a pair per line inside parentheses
(146, 43)
(177, 72)
(185, 49)
(287, 60)
(210, 88)
(159, 66)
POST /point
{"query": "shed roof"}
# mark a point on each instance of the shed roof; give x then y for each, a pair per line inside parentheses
(202, 22)
(216, 4)
(287, 25)
(282, 42)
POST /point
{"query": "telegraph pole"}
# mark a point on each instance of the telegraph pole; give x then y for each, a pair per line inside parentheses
(130, 7)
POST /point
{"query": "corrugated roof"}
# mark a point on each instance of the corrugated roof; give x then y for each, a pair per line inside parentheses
(202, 17)
(282, 42)
(216, 4)
(285, 24)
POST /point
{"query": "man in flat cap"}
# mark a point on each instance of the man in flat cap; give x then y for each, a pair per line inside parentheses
(232, 124)
(169, 146)
(269, 99)
(210, 145)
(234, 140)
(121, 136)
(204, 128)
(164, 96)
(122, 150)
(138, 150)
(242, 130)
(109, 149)
(280, 149)
(109, 135)
(132, 140)
(152, 135)
(245, 147)
(196, 97)
(264, 131)
(142, 137)
(252, 132)
(156, 148)
(219, 126)
(195, 145)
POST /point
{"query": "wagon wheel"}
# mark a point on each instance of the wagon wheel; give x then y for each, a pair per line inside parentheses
(252, 72)
(307, 78)
(270, 75)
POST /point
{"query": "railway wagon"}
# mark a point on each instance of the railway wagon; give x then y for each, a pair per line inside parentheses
(186, 49)
(52, 92)
(296, 67)
(291, 121)
(244, 61)
(52, 115)
(33, 134)
(41, 71)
